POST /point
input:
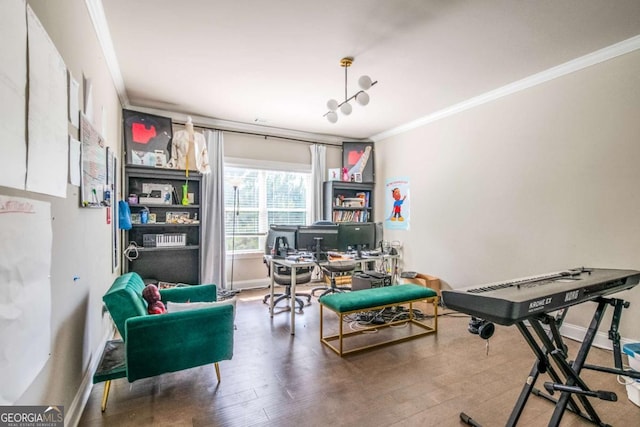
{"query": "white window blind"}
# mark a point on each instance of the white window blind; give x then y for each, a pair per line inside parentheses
(263, 197)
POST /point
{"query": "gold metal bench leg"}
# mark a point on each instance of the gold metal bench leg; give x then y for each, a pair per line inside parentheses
(435, 314)
(321, 335)
(217, 370)
(341, 318)
(105, 395)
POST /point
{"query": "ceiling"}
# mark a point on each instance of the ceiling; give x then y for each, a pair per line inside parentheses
(276, 63)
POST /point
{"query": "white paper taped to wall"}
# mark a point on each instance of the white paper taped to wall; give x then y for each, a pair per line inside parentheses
(47, 150)
(13, 86)
(25, 293)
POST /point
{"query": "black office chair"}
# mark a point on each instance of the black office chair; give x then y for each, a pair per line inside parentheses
(282, 276)
(332, 269)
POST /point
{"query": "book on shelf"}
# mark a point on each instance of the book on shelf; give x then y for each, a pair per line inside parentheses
(351, 216)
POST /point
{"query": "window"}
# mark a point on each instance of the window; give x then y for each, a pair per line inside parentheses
(263, 197)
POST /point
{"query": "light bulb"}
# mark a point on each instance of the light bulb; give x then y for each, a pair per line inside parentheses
(364, 82)
(332, 104)
(362, 98)
(332, 116)
(346, 108)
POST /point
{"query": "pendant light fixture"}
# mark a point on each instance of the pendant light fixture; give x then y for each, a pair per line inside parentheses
(361, 97)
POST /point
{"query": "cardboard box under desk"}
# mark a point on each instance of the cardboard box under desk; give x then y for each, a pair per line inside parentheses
(424, 280)
(341, 280)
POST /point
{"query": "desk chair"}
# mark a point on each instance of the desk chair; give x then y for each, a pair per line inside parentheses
(332, 269)
(282, 276)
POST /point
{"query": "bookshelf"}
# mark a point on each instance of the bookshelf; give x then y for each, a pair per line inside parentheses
(348, 201)
(168, 244)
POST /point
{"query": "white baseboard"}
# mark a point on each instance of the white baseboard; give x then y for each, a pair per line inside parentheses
(74, 413)
(260, 283)
(250, 284)
(601, 340)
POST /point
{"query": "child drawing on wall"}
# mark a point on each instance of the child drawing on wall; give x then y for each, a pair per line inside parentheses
(396, 214)
(397, 203)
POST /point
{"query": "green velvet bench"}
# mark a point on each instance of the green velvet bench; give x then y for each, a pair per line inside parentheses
(160, 343)
(349, 303)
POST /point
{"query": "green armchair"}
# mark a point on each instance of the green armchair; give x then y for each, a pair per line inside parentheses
(156, 344)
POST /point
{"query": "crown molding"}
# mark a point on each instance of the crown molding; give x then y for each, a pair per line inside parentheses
(99, 20)
(96, 12)
(569, 67)
(211, 123)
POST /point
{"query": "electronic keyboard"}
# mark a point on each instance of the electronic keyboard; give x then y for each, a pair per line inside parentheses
(515, 300)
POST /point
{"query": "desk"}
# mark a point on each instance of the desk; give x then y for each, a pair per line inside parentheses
(293, 265)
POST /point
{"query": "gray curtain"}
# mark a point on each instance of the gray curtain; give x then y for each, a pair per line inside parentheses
(212, 266)
(318, 168)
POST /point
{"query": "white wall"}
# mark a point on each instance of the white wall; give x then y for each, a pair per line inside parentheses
(81, 237)
(543, 180)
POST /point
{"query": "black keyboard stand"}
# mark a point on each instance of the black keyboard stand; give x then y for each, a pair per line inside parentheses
(551, 357)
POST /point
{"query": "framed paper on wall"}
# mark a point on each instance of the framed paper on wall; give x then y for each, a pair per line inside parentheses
(334, 174)
(147, 138)
(94, 165)
(357, 158)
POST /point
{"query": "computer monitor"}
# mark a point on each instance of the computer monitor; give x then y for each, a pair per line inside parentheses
(356, 236)
(318, 239)
(288, 232)
(379, 234)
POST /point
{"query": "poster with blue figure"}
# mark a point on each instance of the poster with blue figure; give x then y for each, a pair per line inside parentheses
(397, 204)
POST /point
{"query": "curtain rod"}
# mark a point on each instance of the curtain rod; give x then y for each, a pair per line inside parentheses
(261, 134)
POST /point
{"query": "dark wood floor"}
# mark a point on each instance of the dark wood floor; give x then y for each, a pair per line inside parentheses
(276, 379)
